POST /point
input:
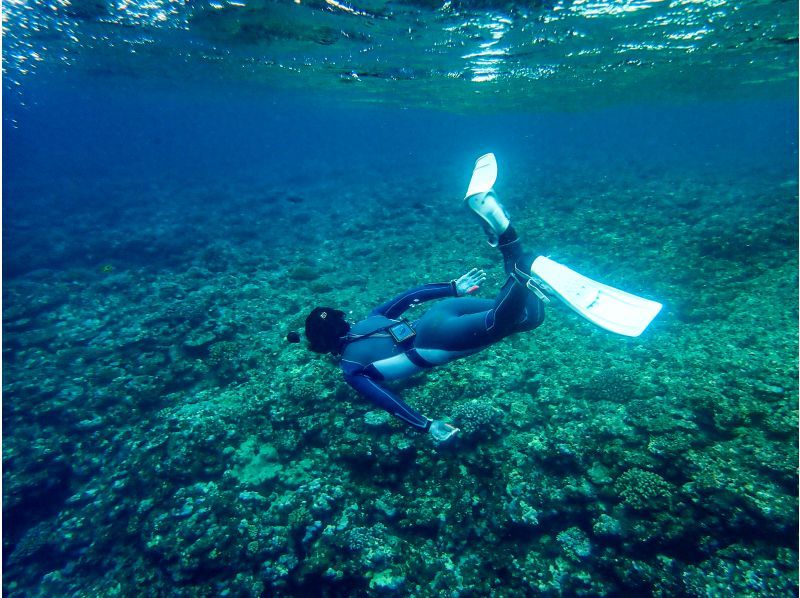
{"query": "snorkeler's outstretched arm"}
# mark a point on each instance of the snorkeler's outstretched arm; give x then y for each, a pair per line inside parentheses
(378, 395)
(468, 283)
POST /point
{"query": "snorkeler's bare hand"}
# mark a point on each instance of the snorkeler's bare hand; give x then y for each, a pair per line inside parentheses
(470, 282)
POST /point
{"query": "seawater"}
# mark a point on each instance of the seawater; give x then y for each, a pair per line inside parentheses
(183, 183)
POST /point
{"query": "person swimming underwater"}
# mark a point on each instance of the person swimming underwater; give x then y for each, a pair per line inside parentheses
(384, 346)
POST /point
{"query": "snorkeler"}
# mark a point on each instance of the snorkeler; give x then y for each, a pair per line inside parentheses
(384, 346)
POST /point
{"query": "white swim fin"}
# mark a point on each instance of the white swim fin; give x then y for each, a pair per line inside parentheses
(609, 308)
(483, 202)
(484, 174)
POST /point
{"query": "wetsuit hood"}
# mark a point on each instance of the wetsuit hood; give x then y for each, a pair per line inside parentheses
(325, 328)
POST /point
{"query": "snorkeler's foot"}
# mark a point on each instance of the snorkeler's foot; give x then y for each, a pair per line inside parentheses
(491, 213)
(442, 431)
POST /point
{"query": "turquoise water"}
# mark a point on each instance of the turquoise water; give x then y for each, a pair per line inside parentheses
(183, 182)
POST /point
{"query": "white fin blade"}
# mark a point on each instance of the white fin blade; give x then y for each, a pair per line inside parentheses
(483, 175)
(608, 307)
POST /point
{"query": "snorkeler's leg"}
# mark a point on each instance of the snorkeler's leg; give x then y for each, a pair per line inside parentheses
(510, 247)
(516, 309)
(470, 324)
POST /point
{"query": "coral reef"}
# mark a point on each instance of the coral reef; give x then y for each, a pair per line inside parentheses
(161, 437)
(643, 490)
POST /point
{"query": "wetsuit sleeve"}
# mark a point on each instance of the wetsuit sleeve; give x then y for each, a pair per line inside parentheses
(427, 292)
(377, 394)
